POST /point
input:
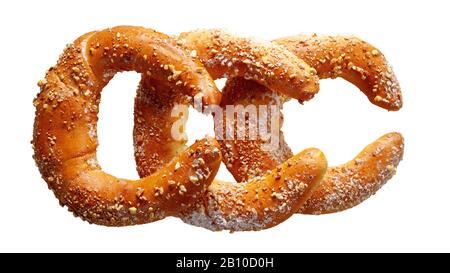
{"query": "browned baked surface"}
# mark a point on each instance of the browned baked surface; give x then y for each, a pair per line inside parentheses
(179, 181)
(65, 139)
(261, 202)
(331, 56)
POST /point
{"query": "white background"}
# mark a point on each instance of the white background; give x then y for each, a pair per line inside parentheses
(411, 213)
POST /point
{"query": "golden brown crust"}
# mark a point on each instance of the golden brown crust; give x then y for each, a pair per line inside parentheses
(226, 55)
(352, 59)
(178, 181)
(229, 205)
(342, 186)
(245, 158)
(260, 203)
(65, 139)
(100, 198)
(263, 201)
(153, 119)
(347, 185)
(332, 56)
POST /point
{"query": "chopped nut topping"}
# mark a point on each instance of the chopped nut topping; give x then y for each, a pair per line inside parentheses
(171, 182)
(193, 178)
(182, 190)
(277, 195)
(133, 210)
(201, 161)
(42, 83)
(76, 69)
(390, 168)
(139, 192)
(159, 191)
